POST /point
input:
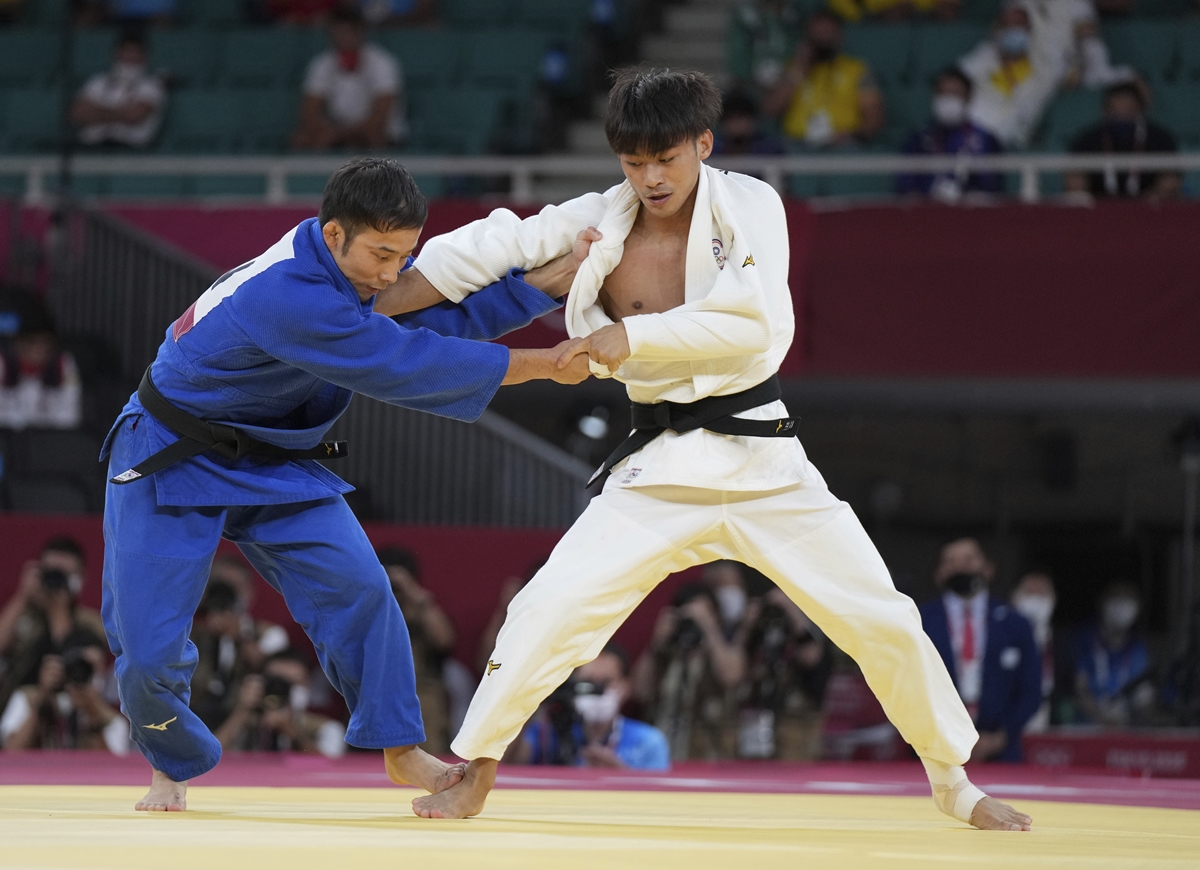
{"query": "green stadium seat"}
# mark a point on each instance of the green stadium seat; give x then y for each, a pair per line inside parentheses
(261, 58)
(269, 118)
(430, 58)
(1068, 115)
(306, 185)
(565, 18)
(980, 11)
(509, 59)
(86, 185)
(28, 57)
(1189, 50)
(1149, 46)
(229, 185)
(47, 13)
(146, 186)
(887, 49)
(907, 109)
(203, 121)
(221, 13)
(91, 52)
(187, 57)
(32, 119)
(456, 121)
(937, 46)
(1177, 107)
(859, 186)
(470, 14)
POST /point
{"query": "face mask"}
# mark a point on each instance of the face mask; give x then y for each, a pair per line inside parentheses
(128, 71)
(1036, 608)
(74, 585)
(1013, 41)
(1120, 613)
(731, 602)
(598, 709)
(823, 52)
(298, 698)
(964, 584)
(949, 110)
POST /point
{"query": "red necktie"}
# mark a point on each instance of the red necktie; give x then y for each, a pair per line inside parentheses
(968, 642)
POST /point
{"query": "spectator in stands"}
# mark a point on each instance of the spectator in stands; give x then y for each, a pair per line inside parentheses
(788, 667)
(226, 655)
(760, 41)
(122, 108)
(826, 98)
(1125, 129)
(487, 640)
(272, 712)
(44, 616)
(688, 678)
(951, 131)
(265, 638)
(353, 92)
(398, 12)
(444, 685)
(160, 12)
(1011, 83)
(988, 649)
(581, 723)
(741, 129)
(1066, 33)
(1112, 681)
(1034, 598)
(64, 708)
(39, 382)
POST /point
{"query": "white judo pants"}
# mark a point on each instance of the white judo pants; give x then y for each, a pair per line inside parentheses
(802, 537)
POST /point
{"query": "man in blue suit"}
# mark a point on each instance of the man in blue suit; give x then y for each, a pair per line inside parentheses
(988, 649)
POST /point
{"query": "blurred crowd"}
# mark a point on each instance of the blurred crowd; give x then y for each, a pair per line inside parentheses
(733, 670)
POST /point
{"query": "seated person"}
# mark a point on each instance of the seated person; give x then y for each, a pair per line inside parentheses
(268, 637)
(1112, 679)
(950, 131)
(1125, 129)
(353, 92)
(741, 130)
(272, 712)
(142, 11)
(1011, 83)
(124, 107)
(581, 723)
(1067, 34)
(39, 382)
(226, 655)
(826, 98)
(398, 12)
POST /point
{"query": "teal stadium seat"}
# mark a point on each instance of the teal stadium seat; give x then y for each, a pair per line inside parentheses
(887, 48)
(188, 57)
(937, 46)
(430, 58)
(1189, 50)
(28, 57)
(907, 109)
(146, 186)
(1149, 46)
(565, 18)
(203, 121)
(254, 186)
(269, 118)
(91, 52)
(980, 11)
(1177, 107)
(32, 120)
(47, 13)
(509, 59)
(217, 13)
(261, 58)
(471, 14)
(456, 121)
(1069, 114)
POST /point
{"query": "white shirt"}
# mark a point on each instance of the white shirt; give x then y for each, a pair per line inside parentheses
(349, 94)
(1012, 117)
(731, 333)
(1055, 26)
(32, 403)
(120, 87)
(970, 669)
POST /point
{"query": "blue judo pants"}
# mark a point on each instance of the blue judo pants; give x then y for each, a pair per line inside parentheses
(314, 553)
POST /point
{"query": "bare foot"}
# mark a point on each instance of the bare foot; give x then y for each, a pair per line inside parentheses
(463, 800)
(165, 795)
(991, 815)
(409, 765)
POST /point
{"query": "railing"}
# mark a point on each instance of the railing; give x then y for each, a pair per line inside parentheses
(115, 283)
(522, 172)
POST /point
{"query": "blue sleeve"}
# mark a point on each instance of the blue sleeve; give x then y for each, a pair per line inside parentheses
(530, 736)
(495, 310)
(325, 334)
(649, 751)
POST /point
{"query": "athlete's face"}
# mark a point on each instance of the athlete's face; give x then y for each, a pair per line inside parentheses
(373, 259)
(665, 182)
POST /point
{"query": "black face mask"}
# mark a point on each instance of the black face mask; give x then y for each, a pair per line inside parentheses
(823, 52)
(964, 584)
(1123, 132)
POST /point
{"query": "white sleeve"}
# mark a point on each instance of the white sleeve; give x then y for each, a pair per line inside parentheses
(62, 406)
(116, 735)
(331, 739)
(383, 73)
(16, 714)
(317, 79)
(93, 89)
(150, 90)
(472, 257)
(978, 62)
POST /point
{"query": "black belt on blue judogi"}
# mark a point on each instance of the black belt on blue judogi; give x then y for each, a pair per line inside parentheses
(714, 414)
(197, 436)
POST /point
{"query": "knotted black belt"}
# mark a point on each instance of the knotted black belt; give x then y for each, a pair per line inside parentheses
(196, 436)
(714, 414)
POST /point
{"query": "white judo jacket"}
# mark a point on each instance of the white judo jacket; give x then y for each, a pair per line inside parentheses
(731, 333)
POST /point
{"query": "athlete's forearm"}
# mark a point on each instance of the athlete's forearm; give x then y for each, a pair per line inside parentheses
(410, 292)
(545, 364)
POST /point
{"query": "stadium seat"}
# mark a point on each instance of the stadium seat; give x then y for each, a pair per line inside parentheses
(1068, 115)
(269, 118)
(186, 57)
(261, 58)
(906, 110)
(91, 53)
(221, 13)
(229, 185)
(565, 18)
(32, 119)
(887, 48)
(1148, 46)
(48, 452)
(430, 58)
(47, 496)
(146, 186)
(47, 13)
(202, 120)
(28, 58)
(937, 46)
(1189, 50)
(508, 59)
(469, 14)
(456, 121)
(1177, 107)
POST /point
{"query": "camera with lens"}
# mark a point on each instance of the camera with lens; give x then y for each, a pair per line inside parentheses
(55, 580)
(77, 670)
(560, 709)
(277, 693)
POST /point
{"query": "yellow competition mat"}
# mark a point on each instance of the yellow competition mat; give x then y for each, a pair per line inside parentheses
(228, 828)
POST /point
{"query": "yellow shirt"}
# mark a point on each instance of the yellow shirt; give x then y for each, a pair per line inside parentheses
(857, 10)
(832, 89)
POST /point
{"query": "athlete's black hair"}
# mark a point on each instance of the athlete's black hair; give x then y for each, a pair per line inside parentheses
(375, 192)
(653, 110)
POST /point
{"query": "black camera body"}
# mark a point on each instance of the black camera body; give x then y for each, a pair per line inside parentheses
(77, 669)
(55, 580)
(277, 693)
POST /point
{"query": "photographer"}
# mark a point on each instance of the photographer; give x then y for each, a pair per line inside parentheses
(688, 677)
(272, 712)
(226, 653)
(43, 613)
(788, 667)
(581, 724)
(64, 709)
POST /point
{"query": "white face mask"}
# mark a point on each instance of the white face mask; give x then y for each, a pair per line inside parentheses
(128, 72)
(949, 110)
(731, 603)
(1120, 613)
(598, 709)
(298, 698)
(1036, 608)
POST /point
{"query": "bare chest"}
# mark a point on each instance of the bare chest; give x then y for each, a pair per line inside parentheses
(648, 280)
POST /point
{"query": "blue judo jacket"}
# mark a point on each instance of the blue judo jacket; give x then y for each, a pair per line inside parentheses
(279, 345)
